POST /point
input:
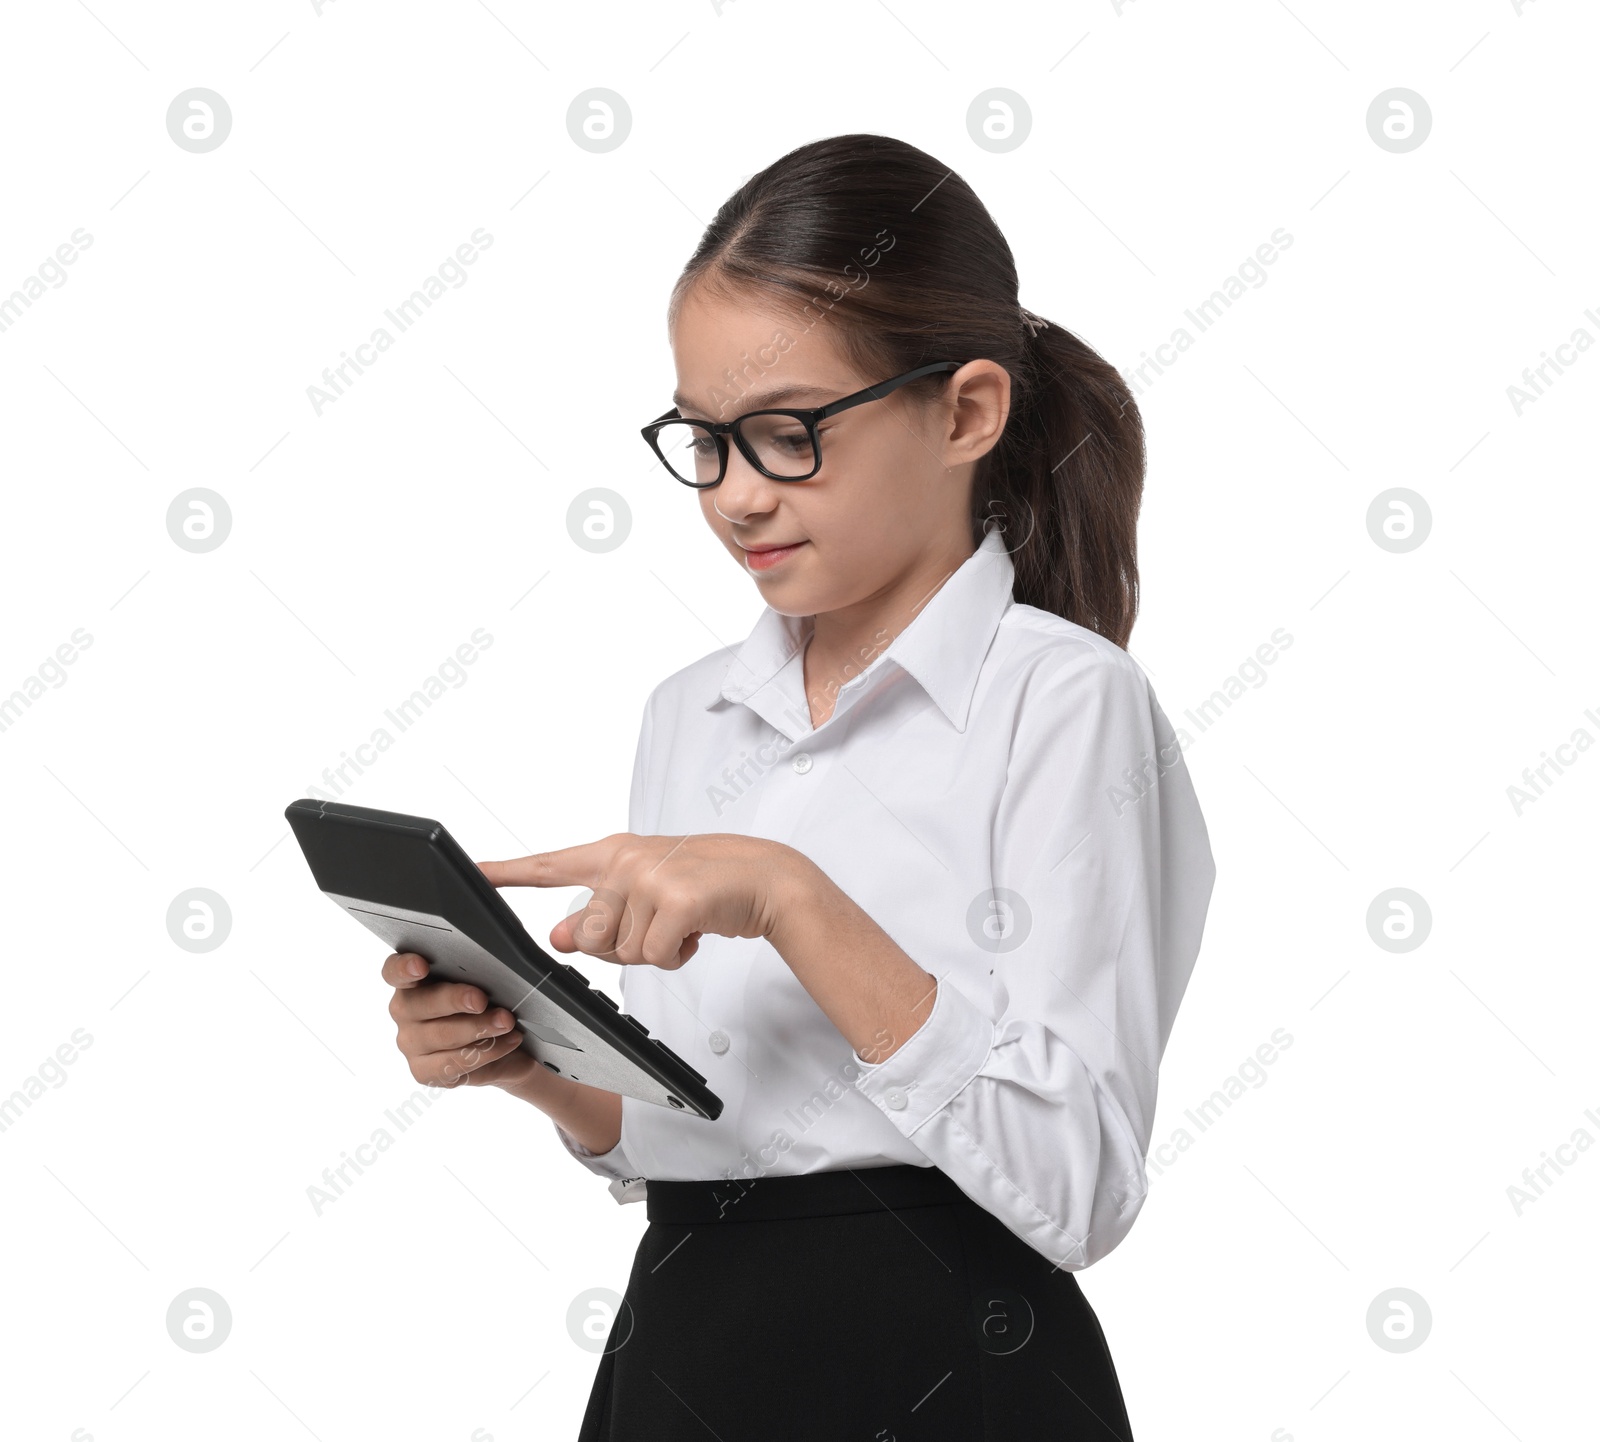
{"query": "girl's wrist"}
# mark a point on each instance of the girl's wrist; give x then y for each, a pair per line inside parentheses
(795, 882)
(589, 1115)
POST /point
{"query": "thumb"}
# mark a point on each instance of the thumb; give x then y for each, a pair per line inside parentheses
(561, 933)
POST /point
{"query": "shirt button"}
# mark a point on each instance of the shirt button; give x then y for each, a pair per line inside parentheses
(718, 1041)
(802, 763)
(896, 1099)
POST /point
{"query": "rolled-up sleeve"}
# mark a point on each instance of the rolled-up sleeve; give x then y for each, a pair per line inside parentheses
(1034, 1086)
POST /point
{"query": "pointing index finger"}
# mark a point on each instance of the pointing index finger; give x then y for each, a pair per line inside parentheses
(571, 866)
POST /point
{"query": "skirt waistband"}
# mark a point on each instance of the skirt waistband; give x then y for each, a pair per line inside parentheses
(809, 1194)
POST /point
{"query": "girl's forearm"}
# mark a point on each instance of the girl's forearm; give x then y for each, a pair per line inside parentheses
(589, 1115)
(865, 984)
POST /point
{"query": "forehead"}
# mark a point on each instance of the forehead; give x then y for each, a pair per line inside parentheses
(735, 355)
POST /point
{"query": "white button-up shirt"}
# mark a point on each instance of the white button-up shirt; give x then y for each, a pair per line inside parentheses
(1000, 791)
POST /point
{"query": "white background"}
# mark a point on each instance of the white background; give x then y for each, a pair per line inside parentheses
(367, 543)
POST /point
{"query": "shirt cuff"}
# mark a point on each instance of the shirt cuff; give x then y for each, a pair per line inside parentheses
(942, 1056)
(613, 1164)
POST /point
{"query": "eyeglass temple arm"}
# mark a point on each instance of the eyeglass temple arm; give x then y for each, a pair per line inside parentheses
(871, 393)
(877, 392)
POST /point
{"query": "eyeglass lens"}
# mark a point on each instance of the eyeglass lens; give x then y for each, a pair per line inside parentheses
(781, 443)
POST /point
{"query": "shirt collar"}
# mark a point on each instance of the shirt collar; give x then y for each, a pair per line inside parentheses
(942, 649)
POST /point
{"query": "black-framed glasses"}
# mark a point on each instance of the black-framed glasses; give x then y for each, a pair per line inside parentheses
(781, 444)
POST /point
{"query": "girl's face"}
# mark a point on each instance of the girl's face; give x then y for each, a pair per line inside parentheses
(890, 502)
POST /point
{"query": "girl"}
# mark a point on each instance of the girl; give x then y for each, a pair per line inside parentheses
(915, 874)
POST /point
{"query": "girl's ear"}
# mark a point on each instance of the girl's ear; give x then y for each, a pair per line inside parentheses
(979, 397)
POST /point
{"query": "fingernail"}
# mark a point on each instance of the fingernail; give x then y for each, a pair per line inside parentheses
(416, 966)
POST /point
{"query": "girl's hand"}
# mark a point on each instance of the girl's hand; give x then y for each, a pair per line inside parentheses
(654, 896)
(447, 1034)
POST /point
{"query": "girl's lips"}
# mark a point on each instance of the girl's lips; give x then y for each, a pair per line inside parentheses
(766, 560)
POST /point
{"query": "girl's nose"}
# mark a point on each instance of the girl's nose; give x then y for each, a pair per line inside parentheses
(744, 492)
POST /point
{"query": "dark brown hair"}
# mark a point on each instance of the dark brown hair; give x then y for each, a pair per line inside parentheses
(899, 258)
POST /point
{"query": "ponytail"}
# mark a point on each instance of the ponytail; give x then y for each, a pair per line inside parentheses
(1065, 482)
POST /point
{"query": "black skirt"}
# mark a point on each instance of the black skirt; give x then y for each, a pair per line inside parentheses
(882, 1305)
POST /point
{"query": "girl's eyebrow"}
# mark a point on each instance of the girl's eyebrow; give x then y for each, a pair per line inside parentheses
(760, 400)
